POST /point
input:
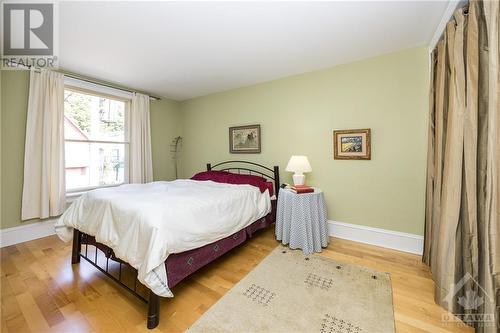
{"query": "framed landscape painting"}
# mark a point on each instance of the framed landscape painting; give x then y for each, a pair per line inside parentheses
(244, 139)
(352, 144)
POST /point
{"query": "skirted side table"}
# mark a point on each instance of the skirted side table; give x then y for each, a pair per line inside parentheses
(301, 220)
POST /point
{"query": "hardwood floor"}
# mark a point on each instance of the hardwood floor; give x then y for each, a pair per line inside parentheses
(41, 291)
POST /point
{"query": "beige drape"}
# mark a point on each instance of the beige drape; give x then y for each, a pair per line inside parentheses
(141, 161)
(462, 243)
(44, 186)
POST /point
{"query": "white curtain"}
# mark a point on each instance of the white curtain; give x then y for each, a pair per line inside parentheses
(141, 164)
(44, 184)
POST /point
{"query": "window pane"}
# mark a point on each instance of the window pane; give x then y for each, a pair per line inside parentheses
(89, 117)
(94, 164)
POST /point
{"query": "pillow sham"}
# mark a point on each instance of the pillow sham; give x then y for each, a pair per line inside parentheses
(270, 187)
(233, 178)
(216, 176)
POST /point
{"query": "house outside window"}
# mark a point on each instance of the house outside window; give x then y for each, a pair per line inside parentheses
(96, 139)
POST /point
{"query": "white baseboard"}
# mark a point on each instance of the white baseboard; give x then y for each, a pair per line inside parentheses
(385, 238)
(26, 232)
(396, 240)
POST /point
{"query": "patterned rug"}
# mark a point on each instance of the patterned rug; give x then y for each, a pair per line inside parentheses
(290, 292)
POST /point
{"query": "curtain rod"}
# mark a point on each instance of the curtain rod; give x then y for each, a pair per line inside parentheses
(76, 77)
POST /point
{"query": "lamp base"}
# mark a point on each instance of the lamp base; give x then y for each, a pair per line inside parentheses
(299, 179)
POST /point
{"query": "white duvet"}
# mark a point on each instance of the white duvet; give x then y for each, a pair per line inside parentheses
(144, 223)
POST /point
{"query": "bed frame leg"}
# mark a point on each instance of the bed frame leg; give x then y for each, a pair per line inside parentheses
(77, 245)
(153, 310)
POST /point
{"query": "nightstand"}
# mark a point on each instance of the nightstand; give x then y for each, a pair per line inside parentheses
(301, 220)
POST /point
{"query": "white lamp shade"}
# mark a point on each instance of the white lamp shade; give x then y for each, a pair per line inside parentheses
(298, 164)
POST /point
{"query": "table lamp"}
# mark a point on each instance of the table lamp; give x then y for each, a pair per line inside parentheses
(299, 165)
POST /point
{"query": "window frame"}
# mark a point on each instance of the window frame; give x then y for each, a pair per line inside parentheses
(77, 191)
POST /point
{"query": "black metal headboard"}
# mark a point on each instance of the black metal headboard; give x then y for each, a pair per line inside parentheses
(248, 168)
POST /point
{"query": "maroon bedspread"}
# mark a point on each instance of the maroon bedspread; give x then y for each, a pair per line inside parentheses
(181, 265)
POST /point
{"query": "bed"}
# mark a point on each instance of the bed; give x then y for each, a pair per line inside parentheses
(135, 266)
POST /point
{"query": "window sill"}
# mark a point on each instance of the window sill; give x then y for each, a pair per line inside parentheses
(70, 197)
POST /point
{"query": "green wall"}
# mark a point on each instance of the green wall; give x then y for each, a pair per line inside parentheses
(298, 114)
(165, 125)
(15, 85)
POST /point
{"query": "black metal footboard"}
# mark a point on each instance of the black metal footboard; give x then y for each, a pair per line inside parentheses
(103, 258)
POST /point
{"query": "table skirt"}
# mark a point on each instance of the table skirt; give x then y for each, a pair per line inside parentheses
(301, 221)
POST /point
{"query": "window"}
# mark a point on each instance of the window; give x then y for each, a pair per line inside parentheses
(96, 140)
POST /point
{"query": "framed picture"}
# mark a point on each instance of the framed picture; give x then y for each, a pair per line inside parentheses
(352, 144)
(244, 139)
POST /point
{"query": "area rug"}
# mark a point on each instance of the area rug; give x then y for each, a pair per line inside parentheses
(290, 292)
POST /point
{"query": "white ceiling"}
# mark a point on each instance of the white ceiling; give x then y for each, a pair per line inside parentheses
(182, 50)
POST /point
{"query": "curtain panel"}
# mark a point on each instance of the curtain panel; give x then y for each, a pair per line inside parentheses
(141, 163)
(44, 184)
(462, 240)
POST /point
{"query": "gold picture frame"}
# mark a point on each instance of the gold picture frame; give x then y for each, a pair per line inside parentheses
(352, 144)
(244, 139)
